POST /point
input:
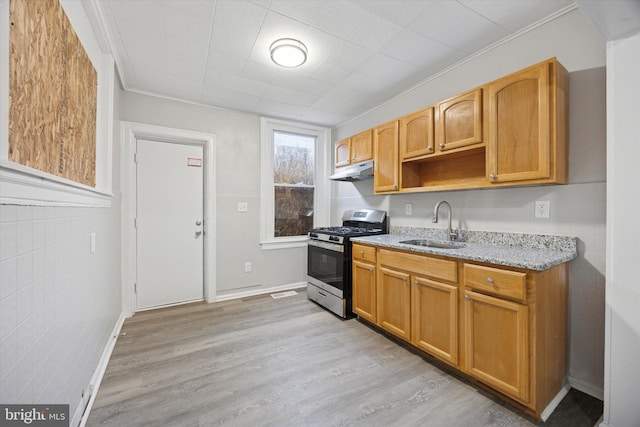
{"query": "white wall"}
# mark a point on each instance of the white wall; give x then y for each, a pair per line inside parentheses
(237, 172)
(58, 303)
(577, 209)
(622, 369)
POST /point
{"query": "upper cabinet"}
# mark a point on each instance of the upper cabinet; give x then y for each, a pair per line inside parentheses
(358, 148)
(512, 131)
(528, 126)
(459, 121)
(361, 147)
(343, 153)
(385, 168)
(416, 134)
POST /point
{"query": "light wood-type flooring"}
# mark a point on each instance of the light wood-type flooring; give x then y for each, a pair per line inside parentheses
(287, 362)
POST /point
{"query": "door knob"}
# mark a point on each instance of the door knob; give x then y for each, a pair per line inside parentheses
(198, 233)
(198, 222)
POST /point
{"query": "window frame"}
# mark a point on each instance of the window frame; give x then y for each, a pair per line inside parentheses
(23, 185)
(322, 193)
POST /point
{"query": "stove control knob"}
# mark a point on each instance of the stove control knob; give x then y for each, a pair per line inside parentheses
(333, 238)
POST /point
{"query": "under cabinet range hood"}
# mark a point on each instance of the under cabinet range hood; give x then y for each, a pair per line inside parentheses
(354, 172)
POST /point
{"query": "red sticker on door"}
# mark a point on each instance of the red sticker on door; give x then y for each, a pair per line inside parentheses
(194, 162)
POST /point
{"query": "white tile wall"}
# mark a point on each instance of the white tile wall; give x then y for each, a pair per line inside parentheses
(58, 302)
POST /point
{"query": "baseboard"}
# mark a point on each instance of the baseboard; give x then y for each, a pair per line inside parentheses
(587, 388)
(260, 291)
(555, 402)
(82, 412)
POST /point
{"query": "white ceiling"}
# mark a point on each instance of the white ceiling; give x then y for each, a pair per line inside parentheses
(361, 52)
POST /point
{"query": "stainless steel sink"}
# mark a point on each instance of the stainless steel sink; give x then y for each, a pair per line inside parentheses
(434, 243)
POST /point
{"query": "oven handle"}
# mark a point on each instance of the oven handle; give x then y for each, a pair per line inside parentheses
(326, 245)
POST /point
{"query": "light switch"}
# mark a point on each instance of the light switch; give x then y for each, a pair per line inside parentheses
(243, 207)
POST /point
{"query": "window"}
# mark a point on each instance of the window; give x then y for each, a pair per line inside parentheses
(294, 193)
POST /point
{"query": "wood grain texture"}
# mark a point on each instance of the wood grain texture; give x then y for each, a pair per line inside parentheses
(52, 93)
(286, 362)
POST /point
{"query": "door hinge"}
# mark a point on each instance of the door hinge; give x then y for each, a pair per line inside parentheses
(135, 157)
(135, 288)
(135, 222)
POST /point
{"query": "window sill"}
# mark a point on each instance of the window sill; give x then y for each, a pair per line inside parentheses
(20, 185)
(294, 242)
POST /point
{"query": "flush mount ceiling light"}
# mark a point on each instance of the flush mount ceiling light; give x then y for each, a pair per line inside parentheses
(288, 52)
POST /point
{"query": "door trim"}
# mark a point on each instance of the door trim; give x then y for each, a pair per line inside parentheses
(130, 132)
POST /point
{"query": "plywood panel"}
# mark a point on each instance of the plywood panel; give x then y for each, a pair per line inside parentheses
(52, 93)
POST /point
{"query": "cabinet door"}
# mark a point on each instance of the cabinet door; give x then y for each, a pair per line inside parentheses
(416, 134)
(361, 147)
(434, 314)
(497, 343)
(364, 290)
(394, 302)
(343, 152)
(519, 126)
(385, 142)
(459, 121)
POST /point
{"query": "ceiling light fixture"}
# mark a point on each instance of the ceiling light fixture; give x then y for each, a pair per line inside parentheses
(288, 52)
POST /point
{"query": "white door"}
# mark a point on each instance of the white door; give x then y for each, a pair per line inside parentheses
(169, 230)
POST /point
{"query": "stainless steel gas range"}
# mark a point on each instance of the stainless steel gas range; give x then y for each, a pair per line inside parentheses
(329, 258)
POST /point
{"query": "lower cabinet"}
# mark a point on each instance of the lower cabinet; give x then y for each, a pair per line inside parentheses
(497, 343)
(364, 290)
(394, 302)
(504, 328)
(434, 318)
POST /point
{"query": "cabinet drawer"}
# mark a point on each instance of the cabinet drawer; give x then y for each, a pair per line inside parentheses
(364, 253)
(420, 264)
(510, 284)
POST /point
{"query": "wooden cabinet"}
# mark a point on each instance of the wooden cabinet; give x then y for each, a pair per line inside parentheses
(416, 134)
(362, 147)
(385, 143)
(364, 282)
(343, 153)
(512, 131)
(504, 328)
(459, 121)
(515, 331)
(426, 312)
(394, 302)
(497, 343)
(434, 318)
(357, 149)
(528, 126)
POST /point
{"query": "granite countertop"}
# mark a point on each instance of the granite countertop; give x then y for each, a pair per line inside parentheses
(528, 251)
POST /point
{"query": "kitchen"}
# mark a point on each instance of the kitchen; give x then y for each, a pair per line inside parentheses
(577, 209)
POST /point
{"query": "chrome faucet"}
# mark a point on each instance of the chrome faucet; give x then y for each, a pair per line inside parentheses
(451, 234)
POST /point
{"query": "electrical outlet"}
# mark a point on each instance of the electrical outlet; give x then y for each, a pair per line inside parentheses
(408, 209)
(247, 267)
(243, 207)
(542, 208)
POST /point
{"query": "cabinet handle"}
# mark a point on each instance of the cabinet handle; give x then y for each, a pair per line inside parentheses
(441, 146)
(466, 298)
(395, 186)
(404, 279)
(492, 177)
(430, 149)
(489, 280)
(361, 253)
(370, 269)
(415, 283)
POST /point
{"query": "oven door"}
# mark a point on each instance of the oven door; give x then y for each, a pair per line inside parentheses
(325, 266)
